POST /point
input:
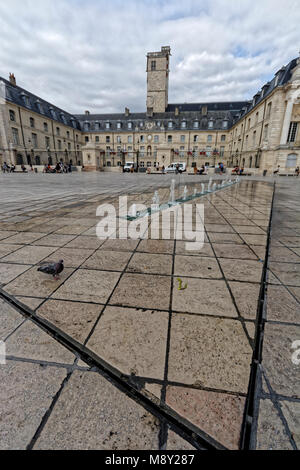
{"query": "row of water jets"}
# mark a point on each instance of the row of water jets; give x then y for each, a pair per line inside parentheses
(211, 187)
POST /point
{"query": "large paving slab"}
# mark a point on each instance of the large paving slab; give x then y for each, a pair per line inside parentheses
(26, 393)
(203, 350)
(93, 414)
(132, 340)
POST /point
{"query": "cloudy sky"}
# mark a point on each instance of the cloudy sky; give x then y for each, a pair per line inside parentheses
(91, 54)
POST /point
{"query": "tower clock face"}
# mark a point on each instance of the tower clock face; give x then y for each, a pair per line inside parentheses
(150, 101)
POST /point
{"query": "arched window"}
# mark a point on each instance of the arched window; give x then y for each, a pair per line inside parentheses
(291, 160)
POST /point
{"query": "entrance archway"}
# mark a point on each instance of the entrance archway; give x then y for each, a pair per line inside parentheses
(20, 159)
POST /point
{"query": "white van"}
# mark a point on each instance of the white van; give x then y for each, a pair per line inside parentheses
(128, 166)
(173, 167)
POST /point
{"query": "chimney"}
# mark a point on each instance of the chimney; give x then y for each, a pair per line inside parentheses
(87, 113)
(176, 111)
(127, 112)
(12, 79)
(204, 110)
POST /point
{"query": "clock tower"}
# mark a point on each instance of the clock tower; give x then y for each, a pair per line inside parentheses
(158, 80)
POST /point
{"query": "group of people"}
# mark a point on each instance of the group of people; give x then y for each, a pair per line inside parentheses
(237, 170)
(8, 169)
(202, 170)
(60, 167)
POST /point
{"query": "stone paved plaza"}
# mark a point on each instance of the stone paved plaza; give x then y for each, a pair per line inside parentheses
(113, 355)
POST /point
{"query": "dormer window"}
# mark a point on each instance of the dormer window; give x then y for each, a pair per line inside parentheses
(53, 113)
(107, 125)
(158, 123)
(25, 99)
(40, 107)
(225, 124)
(141, 124)
(183, 124)
(129, 125)
(196, 124)
(63, 118)
(170, 124)
(119, 125)
(210, 124)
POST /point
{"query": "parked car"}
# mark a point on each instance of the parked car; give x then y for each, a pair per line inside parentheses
(173, 167)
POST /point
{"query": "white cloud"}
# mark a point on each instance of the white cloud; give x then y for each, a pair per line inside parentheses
(90, 54)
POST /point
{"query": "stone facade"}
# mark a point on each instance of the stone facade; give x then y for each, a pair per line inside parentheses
(259, 134)
(261, 138)
(29, 137)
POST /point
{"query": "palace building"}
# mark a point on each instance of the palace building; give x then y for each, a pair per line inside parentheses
(257, 134)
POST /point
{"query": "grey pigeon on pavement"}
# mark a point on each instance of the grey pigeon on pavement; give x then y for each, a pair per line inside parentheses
(53, 268)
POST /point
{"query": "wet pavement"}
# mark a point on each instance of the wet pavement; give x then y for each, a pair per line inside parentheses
(113, 355)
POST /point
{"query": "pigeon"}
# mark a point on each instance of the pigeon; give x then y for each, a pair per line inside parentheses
(53, 268)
